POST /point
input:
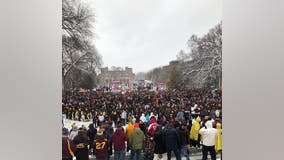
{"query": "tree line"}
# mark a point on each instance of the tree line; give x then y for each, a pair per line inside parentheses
(199, 67)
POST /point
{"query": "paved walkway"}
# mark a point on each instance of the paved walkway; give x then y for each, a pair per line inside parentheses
(193, 156)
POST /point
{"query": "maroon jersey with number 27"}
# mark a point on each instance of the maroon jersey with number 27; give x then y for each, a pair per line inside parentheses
(101, 146)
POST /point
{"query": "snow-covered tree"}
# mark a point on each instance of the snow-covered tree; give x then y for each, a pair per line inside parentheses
(205, 68)
(183, 56)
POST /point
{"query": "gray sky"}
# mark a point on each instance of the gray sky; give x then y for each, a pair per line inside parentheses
(144, 34)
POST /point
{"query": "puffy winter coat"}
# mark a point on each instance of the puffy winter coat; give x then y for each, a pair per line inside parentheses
(118, 138)
(136, 139)
(159, 139)
(172, 139)
(129, 129)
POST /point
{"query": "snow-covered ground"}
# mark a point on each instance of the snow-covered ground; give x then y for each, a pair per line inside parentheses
(68, 123)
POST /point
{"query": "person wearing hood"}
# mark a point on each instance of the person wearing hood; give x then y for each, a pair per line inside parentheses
(118, 139)
(136, 142)
(129, 129)
(194, 137)
(152, 126)
(81, 141)
(218, 143)
(148, 146)
(209, 139)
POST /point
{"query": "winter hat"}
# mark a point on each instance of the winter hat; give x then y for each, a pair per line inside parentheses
(153, 120)
(65, 131)
(136, 125)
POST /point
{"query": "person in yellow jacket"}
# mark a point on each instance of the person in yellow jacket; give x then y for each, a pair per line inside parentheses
(194, 132)
(129, 129)
(218, 142)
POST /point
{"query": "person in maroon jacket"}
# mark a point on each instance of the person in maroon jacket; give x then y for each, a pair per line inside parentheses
(119, 138)
(67, 146)
(101, 146)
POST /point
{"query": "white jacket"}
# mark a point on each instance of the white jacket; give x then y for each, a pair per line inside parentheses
(209, 134)
(123, 115)
(143, 118)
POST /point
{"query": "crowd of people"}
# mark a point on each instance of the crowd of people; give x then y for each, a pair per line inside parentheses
(155, 123)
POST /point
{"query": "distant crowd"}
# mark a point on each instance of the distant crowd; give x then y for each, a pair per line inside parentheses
(155, 123)
(100, 106)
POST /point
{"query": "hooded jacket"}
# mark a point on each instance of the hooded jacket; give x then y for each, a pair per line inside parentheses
(118, 138)
(218, 143)
(136, 139)
(152, 126)
(195, 129)
(129, 129)
(209, 134)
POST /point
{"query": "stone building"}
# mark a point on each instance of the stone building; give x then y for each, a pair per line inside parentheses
(125, 76)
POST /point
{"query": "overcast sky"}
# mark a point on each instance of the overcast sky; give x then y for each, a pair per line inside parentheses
(144, 34)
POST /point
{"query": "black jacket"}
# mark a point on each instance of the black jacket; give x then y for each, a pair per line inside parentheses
(159, 139)
(184, 136)
(81, 142)
(91, 133)
(172, 139)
